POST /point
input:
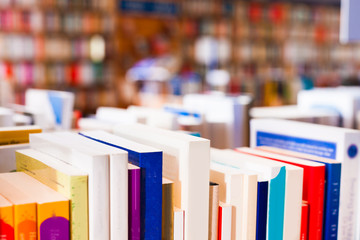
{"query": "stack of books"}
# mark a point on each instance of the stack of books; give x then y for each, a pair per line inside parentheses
(297, 181)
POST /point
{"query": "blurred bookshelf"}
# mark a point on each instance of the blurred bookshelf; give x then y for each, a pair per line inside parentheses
(58, 44)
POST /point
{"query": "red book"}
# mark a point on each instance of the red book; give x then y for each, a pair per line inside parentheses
(313, 187)
(224, 224)
(304, 221)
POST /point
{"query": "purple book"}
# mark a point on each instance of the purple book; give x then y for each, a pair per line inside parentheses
(134, 202)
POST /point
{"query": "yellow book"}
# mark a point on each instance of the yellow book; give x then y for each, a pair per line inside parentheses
(6, 219)
(16, 135)
(63, 178)
(24, 211)
(52, 207)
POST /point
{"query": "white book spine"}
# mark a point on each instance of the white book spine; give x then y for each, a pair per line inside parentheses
(226, 222)
(179, 219)
(118, 196)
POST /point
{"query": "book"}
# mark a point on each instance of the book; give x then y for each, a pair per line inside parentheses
(63, 178)
(7, 153)
(213, 210)
(186, 161)
(332, 189)
(238, 188)
(24, 211)
(52, 209)
(96, 165)
(333, 143)
(6, 219)
(179, 224)
(262, 209)
(134, 204)
(313, 187)
(118, 180)
(304, 221)
(167, 227)
(225, 216)
(150, 162)
(6, 117)
(17, 135)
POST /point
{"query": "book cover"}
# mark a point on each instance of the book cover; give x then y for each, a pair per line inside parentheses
(96, 165)
(225, 216)
(63, 178)
(167, 209)
(134, 202)
(304, 221)
(333, 143)
(6, 219)
(150, 162)
(332, 189)
(186, 161)
(52, 210)
(313, 187)
(24, 211)
(17, 135)
(261, 209)
(213, 210)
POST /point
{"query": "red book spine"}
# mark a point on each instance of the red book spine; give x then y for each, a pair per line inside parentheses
(304, 221)
(220, 223)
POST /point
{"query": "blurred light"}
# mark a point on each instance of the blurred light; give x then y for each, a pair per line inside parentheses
(97, 48)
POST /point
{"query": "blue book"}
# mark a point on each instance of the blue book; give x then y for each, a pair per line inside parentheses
(261, 211)
(150, 162)
(332, 189)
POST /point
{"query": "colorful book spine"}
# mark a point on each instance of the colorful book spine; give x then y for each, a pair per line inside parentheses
(150, 164)
(225, 218)
(6, 219)
(134, 202)
(262, 209)
(304, 221)
(25, 221)
(16, 135)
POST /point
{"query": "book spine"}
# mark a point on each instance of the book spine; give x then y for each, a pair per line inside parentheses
(315, 197)
(332, 198)
(7, 223)
(168, 211)
(304, 221)
(220, 223)
(118, 196)
(276, 206)
(179, 224)
(262, 208)
(25, 222)
(213, 210)
(16, 137)
(134, 204)
(53, 220)
(225, 216)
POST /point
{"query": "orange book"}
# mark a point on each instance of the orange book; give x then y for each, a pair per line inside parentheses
(16, 135)
(52, 207)
(6, 219)
(24, 213)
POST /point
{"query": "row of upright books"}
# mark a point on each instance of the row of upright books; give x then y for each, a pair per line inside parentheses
(35, 21)
(297, 181)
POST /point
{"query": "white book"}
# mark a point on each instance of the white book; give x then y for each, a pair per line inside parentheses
(225, 223)
(7, 156)
(115, 115)
(186, 161)
(92, 162)
(94, 124)
(287, 226)
(339, 144)
(238, 188)
(118, 160)
(179, 218)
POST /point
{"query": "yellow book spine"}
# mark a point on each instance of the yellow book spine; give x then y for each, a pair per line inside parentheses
(16, 136)
(7, 222)
(73, 187)
(53, 220)
(25, 221)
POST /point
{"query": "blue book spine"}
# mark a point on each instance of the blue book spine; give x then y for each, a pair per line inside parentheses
(262, 207)
(332, 199)
(150, 164)
(275, 228)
